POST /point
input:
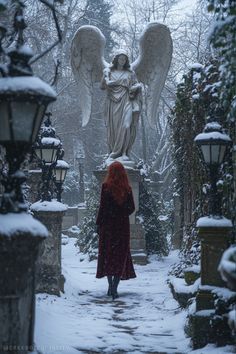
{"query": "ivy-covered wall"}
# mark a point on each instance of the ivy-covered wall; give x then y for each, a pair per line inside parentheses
(198, 102)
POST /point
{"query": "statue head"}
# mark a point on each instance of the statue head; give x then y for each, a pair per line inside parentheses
(119, 52)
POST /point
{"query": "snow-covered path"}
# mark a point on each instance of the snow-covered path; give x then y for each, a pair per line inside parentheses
(144, 319)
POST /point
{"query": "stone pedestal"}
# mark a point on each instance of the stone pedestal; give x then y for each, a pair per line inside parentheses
(215, 235)
(20, 238)
(214, 241)
(137, 235)
(49, 278)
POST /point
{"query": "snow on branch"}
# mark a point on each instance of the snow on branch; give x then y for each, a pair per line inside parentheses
(51, 6)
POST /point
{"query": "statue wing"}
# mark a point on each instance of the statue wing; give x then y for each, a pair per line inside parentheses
(152, 65)
(87, 61)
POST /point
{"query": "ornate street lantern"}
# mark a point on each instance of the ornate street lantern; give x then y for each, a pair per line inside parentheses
(23, 101)
(213, 143)
(60, 171)
(48, 149)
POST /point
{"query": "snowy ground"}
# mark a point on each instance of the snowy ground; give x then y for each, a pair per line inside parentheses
(144, 319)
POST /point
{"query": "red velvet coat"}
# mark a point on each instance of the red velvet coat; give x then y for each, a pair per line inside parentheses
(114, 256)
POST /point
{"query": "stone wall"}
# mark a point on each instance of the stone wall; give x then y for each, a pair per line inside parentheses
(73, 216)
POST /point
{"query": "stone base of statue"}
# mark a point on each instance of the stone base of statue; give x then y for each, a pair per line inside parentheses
(205, 325)
(20, 239)
(49, 278)
(137, 235)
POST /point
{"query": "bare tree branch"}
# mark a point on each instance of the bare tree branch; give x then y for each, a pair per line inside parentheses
(59, 32)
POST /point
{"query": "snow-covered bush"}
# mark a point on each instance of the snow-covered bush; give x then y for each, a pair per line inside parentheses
(189, 253)
(71, 194)
(153, 219)
(88, 237)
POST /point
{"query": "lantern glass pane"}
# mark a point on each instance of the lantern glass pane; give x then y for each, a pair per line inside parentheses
(38, 121)
(38, 153)
(215, 153)
(47, 154)
(5, 134)
(58, 174)
(54, 154)
(222, 153)
(206, 153)
(63, 175)
(23, 114)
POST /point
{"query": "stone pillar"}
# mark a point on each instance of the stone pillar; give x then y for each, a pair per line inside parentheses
(20, 238)
(214, 241)
(216, 236)
(137, 235)
(34, 179)
(49, 278)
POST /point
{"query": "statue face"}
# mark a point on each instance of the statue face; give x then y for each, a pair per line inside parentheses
(122, 59)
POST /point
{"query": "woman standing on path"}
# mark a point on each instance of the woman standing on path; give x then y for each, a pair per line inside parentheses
(114, 258)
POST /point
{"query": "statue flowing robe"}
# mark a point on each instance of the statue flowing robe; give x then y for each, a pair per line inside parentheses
(114, 256)
(121, 112)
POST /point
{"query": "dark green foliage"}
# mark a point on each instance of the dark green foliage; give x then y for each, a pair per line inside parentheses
(195, 104)
(223, 39)
(189, 253)
(188, 120)
(150, 215)
(70, 194)
(198, 102)
(88, 237)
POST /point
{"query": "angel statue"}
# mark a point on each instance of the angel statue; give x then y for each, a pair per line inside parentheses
(122, 81)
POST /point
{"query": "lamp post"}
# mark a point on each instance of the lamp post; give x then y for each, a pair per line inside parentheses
(50, 212)
(23, 102)
(213, 144)
(60, 171)
(214, 232)
(47, 149)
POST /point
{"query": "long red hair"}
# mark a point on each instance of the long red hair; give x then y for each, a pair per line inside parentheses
(117, 182)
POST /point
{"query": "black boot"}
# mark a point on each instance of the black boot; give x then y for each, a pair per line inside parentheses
(115, 284)
(109, 291)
